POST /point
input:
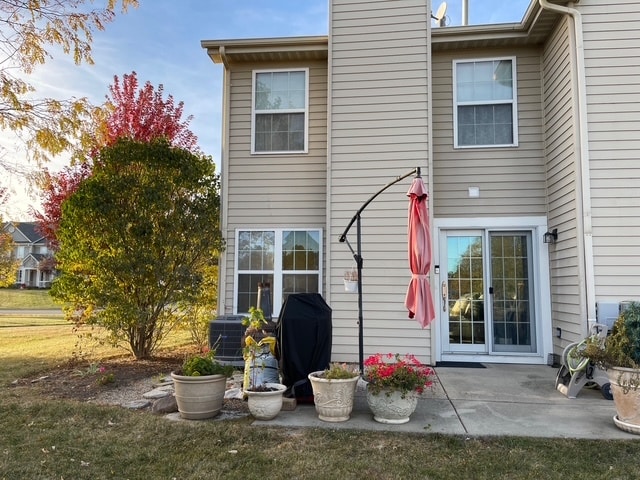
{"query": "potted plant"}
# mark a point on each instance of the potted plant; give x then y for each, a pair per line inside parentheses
(265, 398)
(619, 354)
(333, 391)
(256, 325)
(394, 382)
(200, 385)
(351, 281)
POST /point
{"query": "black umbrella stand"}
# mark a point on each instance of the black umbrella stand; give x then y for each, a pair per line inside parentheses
(357, 255)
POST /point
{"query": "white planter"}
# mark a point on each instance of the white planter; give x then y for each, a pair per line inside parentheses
(626, 398)
(351, 286)
(199, 397)
(266, 405)
(389, 407)
(333, 398)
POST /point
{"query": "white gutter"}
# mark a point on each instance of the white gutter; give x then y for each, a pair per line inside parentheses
(223, 308)
(585, 227)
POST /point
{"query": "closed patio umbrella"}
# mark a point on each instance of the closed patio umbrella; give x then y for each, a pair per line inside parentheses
(419, 301)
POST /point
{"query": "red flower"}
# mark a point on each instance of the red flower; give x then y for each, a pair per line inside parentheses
(395, 372)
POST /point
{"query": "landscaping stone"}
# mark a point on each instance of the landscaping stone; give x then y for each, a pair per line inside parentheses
(165, 405)
(157, 393)
(137, 404)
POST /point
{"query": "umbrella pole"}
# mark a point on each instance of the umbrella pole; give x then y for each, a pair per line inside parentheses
(358, 257)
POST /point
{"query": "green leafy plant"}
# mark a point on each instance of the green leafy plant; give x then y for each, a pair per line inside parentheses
(205, 364)
(255, 320)
(396, 372)
(621, 348)
(340, 371)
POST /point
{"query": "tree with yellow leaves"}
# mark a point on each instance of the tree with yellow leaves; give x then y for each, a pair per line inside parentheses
(29, 31)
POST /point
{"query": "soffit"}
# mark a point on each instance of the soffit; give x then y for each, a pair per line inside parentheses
(287, 49)
(535, 28)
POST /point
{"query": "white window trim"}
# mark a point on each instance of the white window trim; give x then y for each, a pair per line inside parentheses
(276, 288)
(254, 112)
(513, 101)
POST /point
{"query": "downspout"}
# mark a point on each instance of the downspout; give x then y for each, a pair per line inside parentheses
(585, 223)
(434, 353)
(223, 309)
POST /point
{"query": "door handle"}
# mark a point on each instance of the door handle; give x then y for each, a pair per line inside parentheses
(444, 296)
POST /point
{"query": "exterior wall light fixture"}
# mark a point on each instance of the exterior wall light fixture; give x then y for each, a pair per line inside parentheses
(550, 237)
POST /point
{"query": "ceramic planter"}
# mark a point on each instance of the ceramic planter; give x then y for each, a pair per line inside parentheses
(333, 398)
(626, 398)
(266, 405)
(389, 406)
(199, 397)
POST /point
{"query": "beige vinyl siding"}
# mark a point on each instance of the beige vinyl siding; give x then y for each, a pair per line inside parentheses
(273, 190)
(566, 264)
(378, 131)
(613, 96)
(511, 179)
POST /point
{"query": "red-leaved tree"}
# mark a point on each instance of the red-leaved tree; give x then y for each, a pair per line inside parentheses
(56, 188)
(140, 114)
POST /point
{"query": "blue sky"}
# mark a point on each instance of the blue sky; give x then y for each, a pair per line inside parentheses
(160, 40)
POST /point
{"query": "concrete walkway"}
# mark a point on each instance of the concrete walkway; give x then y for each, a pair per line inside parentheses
(519, 400)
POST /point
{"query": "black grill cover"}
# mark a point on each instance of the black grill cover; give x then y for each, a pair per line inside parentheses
(304, 339)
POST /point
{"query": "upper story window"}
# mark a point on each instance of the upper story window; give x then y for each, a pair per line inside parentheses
(485, 105)
(280, 114)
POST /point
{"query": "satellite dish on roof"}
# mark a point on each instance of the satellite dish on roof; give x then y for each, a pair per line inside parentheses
(441, 15)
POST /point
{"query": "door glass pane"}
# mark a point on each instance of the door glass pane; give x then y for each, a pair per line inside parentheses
(513, 326)
(465, 290)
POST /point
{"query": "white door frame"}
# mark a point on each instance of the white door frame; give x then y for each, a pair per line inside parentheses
(542, 291)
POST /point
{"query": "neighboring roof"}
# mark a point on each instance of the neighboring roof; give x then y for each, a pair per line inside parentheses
(535, 28)
(27, 229)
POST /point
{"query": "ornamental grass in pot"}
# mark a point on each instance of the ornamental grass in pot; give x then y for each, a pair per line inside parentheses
(334, 390)
(619, 354)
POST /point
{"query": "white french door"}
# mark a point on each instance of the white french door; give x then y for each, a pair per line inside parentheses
(487, 301)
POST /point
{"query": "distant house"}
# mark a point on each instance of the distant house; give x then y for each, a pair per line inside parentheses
(32, 251)
(528, 138)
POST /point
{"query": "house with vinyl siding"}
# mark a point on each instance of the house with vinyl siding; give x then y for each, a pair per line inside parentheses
(519, 130)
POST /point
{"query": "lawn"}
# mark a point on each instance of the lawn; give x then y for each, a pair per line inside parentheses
(52, 438)
(11, 298)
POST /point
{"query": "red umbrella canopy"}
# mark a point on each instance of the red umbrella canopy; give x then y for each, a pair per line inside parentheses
(419, 301)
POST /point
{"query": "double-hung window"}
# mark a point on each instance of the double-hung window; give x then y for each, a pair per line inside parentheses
(288, 259)
(280, 111)
(485, 103)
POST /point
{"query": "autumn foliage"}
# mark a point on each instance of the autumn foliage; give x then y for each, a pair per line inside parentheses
(138, 114)
(56, 188)
(143, 115)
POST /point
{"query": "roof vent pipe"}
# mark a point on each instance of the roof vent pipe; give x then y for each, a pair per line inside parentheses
(465, 12)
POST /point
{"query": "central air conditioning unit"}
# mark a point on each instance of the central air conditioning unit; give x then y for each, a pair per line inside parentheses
(607, 313)
(227, 332)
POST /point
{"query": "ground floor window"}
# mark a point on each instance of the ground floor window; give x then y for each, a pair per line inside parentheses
(289, 260)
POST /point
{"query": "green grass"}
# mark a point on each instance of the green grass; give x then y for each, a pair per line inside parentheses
(25, 299)
(54, 439)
